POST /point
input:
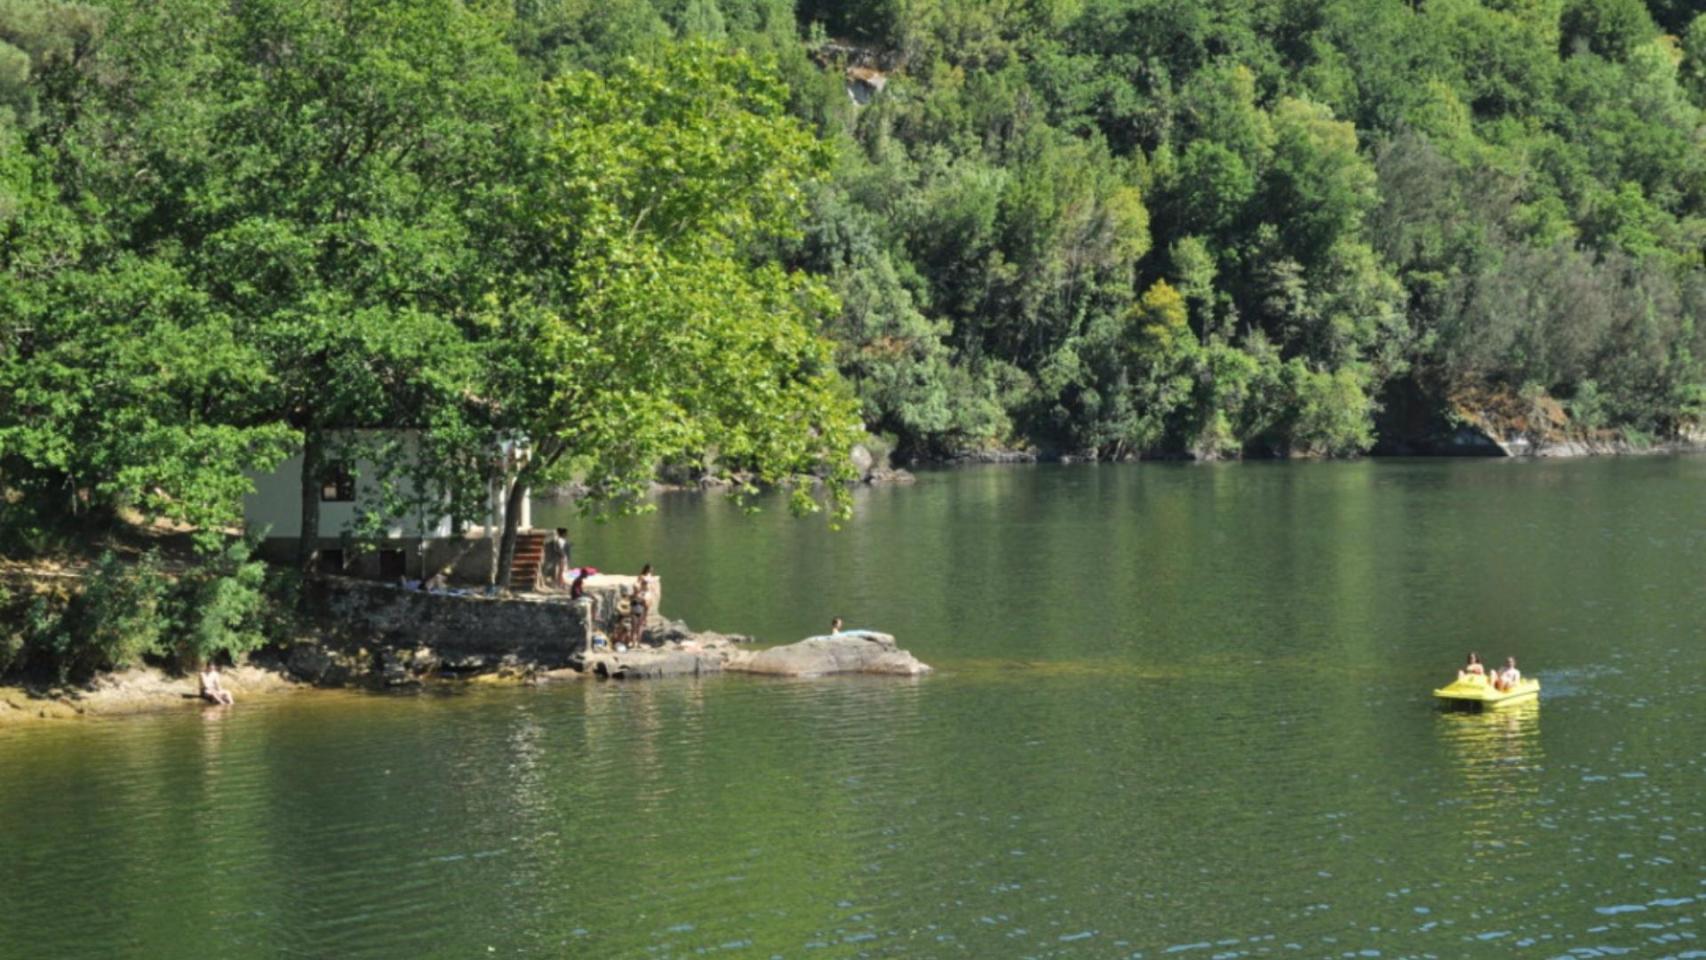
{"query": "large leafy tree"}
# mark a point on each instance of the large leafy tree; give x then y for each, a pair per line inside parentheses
(644, 322)
(122, 383)
(336, 206)
(240, 224)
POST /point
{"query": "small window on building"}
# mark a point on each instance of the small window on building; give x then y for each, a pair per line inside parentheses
(338, 485)
(331, 561)
(391, 564)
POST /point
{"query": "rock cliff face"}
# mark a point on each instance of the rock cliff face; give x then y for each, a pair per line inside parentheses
(1489, 423)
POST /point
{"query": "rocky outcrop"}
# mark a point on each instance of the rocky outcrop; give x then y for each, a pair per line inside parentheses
(871, 462)
(648, 664)
(135, 690)
(1414, 421)
(855, 651)
(992, 456)
(1472, 440)
(681, 653)
(1685, 441)
(889, 476)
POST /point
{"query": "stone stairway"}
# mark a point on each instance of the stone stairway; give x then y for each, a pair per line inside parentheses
(529, 551)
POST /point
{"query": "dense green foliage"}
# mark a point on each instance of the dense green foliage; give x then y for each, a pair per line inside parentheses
(130, 608)
(1167, 226)
(231, 230)
(633, 327)
(645, 231)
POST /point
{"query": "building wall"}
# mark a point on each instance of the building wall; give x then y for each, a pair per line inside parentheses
(276, 507)
(465, 560)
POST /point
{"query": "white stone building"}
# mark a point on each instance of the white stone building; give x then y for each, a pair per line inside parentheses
(412, 546)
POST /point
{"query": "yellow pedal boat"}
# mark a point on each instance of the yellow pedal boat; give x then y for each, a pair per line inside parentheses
(1477, 692)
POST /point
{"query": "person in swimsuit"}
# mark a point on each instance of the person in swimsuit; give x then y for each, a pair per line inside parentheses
(1510, 676)
(640, 605)
(554, 564)
(1472, 668)
(211, 689)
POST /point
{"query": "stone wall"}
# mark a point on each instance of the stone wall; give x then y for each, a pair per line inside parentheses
(364, 620)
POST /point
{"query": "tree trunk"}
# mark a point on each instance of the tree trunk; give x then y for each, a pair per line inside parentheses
(512, 522)
(313, 472)
(496, 542)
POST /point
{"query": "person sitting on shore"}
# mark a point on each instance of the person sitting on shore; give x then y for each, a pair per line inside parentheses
(211, 689)
(1472, 668)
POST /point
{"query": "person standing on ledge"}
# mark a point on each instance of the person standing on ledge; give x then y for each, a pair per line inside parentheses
(640, 604)
(556, 559)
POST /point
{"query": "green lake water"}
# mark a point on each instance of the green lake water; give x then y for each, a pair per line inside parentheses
(1178, 711)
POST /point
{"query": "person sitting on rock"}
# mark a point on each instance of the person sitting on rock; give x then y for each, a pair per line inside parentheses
(834, 626)
(211, 689)
(582, 604)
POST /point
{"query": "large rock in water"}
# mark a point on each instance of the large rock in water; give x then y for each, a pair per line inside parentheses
(650, 664)
(854, 651)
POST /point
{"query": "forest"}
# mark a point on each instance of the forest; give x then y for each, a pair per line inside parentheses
(1226, 227)
(742, 235)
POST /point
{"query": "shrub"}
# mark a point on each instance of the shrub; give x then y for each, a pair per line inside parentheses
(117, 618)
(1332, 416)
(1587, 407)
(11, 632)
(41, 629)
(219, 607)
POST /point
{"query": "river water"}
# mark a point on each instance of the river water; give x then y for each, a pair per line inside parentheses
(1178, 711)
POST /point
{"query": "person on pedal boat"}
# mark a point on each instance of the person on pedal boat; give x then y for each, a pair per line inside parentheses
(1510, 676)
(1472, 667)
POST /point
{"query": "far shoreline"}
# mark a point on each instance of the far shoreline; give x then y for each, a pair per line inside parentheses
(1571, 450)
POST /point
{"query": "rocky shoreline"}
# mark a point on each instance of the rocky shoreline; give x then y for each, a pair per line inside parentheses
(134, 691)
(674, 651)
